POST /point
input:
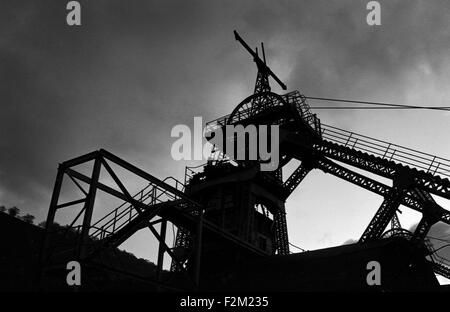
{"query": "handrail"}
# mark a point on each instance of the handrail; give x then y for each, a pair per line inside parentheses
(384, 142)
(151, 195)
(392, 152)
(407, 156)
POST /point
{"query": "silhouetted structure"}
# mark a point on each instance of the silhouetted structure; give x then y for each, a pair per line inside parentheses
(230, 215)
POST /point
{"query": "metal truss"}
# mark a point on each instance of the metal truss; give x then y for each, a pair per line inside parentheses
(425, 173)
(414, 174)
(262, 66)
(328, 166)
(296, 178)
(415, 195)
(303, 114)
(384, 215)
(395, 222)
(409, 198)
(137, 212)
(281, 233)
(432, 213)
(157, 203)
(414, 198)
(383, 167)
(355, 158)
(407, 157)
(255, 104)
(262, 81)
(387, 211)
(183, 245)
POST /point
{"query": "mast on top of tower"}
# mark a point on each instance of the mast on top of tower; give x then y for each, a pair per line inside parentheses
(262, 82)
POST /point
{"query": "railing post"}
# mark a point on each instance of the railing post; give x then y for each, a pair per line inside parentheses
(431, 164)
(385, 153)
(435, 169)
(348, 139)
(115, 220)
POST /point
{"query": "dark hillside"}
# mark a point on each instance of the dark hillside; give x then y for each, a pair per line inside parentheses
(20, 244)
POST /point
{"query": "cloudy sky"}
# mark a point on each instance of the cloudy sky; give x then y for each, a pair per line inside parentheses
(134, 69)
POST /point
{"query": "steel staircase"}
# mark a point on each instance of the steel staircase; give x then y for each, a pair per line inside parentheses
(118, 218)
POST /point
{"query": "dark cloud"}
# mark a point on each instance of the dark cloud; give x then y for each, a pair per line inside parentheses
(340, 56)
(135, 68)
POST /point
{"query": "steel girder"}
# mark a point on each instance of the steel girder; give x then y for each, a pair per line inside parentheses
(281, 233)
(432, 213)
(296, 177)
(409, 198)
(395, 222)
(423, 227)
(414, 181)
(382, 167)
(382, 218)
(141, 211)
(262, 81)
(183, 243)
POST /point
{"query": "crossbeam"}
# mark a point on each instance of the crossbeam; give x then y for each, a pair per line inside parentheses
(260, 63)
